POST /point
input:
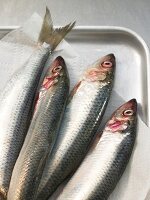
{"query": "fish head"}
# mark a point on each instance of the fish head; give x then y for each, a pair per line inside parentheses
(123, 118)
(56, 73)
(55, 77)
(102, 70)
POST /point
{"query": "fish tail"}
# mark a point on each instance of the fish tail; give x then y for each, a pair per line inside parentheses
(3, 193)
(50, 35)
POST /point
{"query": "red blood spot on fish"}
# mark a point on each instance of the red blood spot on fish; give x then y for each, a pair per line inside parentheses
(115, 126)
(48, 82)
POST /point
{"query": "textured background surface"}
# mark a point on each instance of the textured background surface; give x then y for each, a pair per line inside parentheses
(128, 13)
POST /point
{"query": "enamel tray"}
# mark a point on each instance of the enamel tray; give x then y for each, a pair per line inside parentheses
(132, 55)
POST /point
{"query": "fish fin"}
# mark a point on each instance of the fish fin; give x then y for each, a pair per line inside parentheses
(3, 193)
(50, 35)
(47, 27)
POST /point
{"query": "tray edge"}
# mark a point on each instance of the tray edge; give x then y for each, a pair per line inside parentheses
(112, 28)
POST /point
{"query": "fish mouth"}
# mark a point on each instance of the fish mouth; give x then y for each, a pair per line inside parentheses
(108, 61)
(110, 57)
(131, 104)
(121, 122)
(54, 72)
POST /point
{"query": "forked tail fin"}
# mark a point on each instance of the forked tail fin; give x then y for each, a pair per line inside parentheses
(50, 35)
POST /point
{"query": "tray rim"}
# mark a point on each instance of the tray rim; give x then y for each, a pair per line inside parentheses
(120, 29)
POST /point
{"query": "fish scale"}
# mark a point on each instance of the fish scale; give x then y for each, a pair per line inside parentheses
(17, 99)
(106, 160)
(15, 106)
(41, 136)
(80, 123)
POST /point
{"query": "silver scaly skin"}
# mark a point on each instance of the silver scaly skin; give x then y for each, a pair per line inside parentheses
(85, 109)
(107, 158)
(41, 134)
(16, 104)
(17, 100)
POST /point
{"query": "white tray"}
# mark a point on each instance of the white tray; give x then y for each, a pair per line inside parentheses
(132, 54)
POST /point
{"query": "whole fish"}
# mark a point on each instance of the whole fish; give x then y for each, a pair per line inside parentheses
(16, 100)
(41, 134)
(85, 109)
(107, 158)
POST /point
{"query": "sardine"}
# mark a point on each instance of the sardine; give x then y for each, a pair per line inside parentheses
(16, 100)
(107, 158)
(85, 109)
(41, 134)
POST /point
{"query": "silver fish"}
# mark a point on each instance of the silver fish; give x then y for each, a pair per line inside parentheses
(107, 158)
(85, 109)
(16, 100)
(41, 134)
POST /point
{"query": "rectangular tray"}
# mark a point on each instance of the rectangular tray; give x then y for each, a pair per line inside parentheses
(132, 54)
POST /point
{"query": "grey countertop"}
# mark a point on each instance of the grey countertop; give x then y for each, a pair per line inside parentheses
(134, 14)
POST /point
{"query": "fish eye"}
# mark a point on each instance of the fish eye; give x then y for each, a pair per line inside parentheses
(57, 69)
(107, 64)
(128, 112)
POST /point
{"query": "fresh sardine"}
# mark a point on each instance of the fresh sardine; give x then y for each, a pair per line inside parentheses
(41, 134)
(16, 100)
(107, 158)
(85, 109)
